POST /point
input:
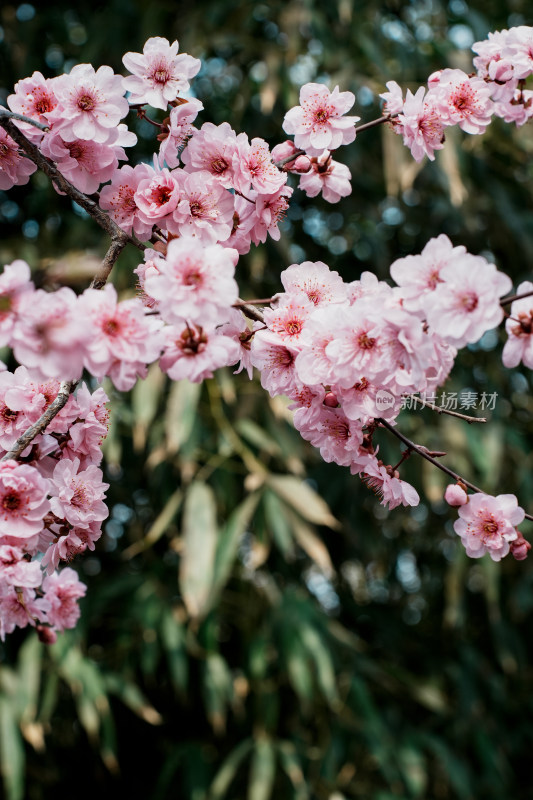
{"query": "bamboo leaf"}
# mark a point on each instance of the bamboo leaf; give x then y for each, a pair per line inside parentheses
(181, 413)
(262, 770)
(228, 770)
(12, 757)
(200, 541)
(303, 499)
(159, 526)
(229, 539)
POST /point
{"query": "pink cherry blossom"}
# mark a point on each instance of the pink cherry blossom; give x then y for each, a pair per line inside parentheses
(123, 338)
(34, 97)
(179, 131)
(326, 176)
(487, 524)
(62, 591)
(253, 166)
(275, 358)
(421, 125)
(159, 74)
(212, 149)
(205, 209)
(23, 500)
(318, 123)
(466, 302)
(91, 104)
(86, 164)
(49, 333)
(270, 210)
(194, 282)
(461, 100)
(15, 169)
(157, 196)
(14, 282)
(193, 352)
(119, 199)
(386, 483)
(519, 327)
(77, 496)
(321, 284)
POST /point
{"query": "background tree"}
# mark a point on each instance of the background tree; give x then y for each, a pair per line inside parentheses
(331, 649)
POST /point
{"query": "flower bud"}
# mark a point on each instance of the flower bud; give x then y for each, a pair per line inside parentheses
(455, 495)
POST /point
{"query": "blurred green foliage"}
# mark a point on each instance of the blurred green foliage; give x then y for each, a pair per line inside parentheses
(256, 624)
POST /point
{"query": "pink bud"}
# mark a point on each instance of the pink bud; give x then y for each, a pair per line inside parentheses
(455, 495)
(520, 547)
(330, 400)
(302, 164)
(46, 635)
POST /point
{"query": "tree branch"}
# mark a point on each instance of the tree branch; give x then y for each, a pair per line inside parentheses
(12, 115)
(65, 390)
(441, 410)
(422, 451)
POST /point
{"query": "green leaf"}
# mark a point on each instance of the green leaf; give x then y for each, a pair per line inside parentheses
(145, 398)
(181, 413)
(132, 697)
(319, 653)
(262, 770)
(200, 541)
(292, 766)
(228, 770)
(303, 499)
(12, 756)
(277, 522)
(158, 527)
(229, 540)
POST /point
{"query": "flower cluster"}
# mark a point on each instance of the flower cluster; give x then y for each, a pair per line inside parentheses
(470, 101)
(346, 354)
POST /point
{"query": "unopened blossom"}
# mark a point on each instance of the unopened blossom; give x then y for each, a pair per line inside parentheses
(23, 500)
(62, 591)
(328, 177)
(519, 327)
(15, 169)
(159, 73)
(455, 495)
(91, 104)
(487, 524)
(318, 123)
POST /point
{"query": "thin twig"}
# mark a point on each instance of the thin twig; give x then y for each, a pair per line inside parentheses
(65, 390)
(441, 410)
(422, 451)
(249, 311)
(513, 297)
(115, 248)
(21, 118)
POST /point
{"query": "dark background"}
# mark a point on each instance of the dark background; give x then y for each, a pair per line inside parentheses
(368, 660)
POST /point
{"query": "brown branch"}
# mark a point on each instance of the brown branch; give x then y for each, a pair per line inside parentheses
(61, 183)
(249, 311)
(21, 118)
(65, 390)
(424, 452)
(441, 410)
(514, 297)
(115, 248)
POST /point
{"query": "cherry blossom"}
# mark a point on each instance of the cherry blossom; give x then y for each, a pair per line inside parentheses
(159, 74)
(318, 123)
(487, 524)
(23, 500)
(519, 327)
